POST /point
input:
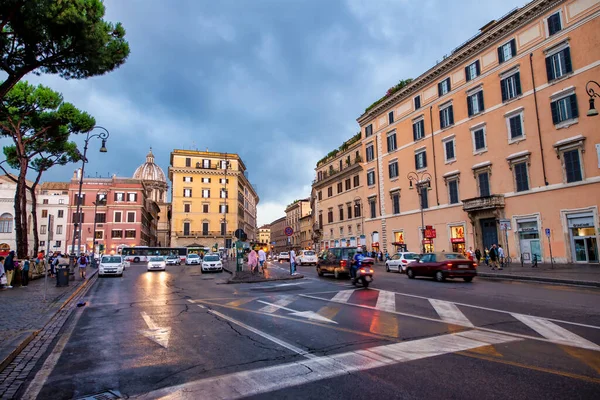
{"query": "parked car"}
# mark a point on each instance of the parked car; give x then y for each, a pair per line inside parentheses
(399, 261)
(337, 261)
(173, 260)
(157, 263)
(306, 257)
(212, 262)
(111, 265)
(283, 256)
(193, 259)
(442, 266)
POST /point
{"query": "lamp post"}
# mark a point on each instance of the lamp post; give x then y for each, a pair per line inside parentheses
(77, 225)
(592, 93)
(420, 181)
(100, 200)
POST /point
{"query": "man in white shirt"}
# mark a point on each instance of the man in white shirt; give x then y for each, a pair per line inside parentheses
(262, 258)
(501, 256)
(292, 262)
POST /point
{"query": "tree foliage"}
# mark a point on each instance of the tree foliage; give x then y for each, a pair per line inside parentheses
(64, 37)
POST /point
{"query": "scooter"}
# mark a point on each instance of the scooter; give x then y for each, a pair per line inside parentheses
(364, 275)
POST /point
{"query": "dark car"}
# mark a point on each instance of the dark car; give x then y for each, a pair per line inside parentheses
(443, 265)
(337, 261)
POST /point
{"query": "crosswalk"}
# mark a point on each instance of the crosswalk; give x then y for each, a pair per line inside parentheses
(390, 306)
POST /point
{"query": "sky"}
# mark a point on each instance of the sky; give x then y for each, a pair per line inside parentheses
(280, 82)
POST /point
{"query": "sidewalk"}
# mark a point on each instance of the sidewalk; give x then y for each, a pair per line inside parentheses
(572, 274)
(23, 312)
(272, 273)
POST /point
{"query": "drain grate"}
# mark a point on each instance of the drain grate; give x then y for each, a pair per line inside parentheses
(108, 395)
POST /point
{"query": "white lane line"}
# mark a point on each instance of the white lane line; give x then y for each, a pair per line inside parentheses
(556, 333)
(248, 383)
(343, 296)
(448, 312)
(265, 335)
(304, 314)
(386, 301)
(277, 305)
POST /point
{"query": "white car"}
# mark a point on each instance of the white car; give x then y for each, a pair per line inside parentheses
(111, 265)
(399, 261)
(283, 256)
(212, 262)
(193, 259)
(306, 257)
(173, 260)
(157, 263)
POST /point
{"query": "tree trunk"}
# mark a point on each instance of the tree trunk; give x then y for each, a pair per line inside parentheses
(21, 211)
(8, 84)
(36, 241)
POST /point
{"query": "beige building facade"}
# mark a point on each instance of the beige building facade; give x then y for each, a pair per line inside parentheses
(293, 214)
(264, 234)
(499, 131)
(306, 232)
(279, 239)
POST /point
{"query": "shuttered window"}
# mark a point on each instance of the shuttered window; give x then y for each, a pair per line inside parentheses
(475, 103)
(564, 109)
(507, 51)
(418, 130)
(511, 86)
(554, 24)
(559, 64)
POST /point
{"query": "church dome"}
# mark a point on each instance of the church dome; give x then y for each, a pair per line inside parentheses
(149, 171)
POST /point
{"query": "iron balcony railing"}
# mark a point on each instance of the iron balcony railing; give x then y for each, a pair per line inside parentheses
(202, 234)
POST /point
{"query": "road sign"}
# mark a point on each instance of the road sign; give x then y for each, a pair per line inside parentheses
(288, 231)
(548, 232)
(430, 233)
(505, 224)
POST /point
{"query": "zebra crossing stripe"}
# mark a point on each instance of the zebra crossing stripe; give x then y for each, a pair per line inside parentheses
(343, 296)
(277, 305)
(449, 313)
(555, 333)
(386, 301)
(237, 303)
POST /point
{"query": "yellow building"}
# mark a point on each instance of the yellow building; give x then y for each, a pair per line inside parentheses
(264, 234)
(293, 213)
(211, 198)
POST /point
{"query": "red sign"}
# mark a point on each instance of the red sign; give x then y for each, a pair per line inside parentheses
(427, 241)
(457, 240)
(376, 244)
(430, 234)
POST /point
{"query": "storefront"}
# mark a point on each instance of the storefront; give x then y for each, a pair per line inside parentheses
(399, 244)
(375, 241)
(352, 241)
(529, 239)
(582, 231)
(457, 238)
(428, 243)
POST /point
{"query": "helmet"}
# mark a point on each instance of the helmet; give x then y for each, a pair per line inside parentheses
(359, 250)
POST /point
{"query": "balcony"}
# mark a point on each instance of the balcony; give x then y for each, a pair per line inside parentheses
(202, 234)
(328, 175)
(316, 227)
(483, 203)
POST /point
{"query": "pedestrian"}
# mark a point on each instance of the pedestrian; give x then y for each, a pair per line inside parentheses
(292, 262)
(478, 255)
(25, 272)
(501, 256)
(252, 260)
(53, 265)
(487, 256)
(82, 265)
(3, 279)
(380, 255)
(470, 253)
(494, 257)
(9, 267)
(387, 256)
(262, 259)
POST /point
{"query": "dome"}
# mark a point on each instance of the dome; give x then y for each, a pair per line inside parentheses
(149, 171)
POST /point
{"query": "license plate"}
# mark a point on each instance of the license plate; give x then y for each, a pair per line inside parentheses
(463, 266)
(368, 278)
(157, 265)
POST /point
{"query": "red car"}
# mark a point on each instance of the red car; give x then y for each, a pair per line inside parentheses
(443, 265)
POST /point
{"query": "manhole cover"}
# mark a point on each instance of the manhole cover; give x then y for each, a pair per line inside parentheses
(108, 395)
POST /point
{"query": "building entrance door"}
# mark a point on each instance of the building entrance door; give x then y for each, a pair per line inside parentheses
(586, 249)
(489, 232)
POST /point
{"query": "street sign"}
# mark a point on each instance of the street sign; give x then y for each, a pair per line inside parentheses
(548, 232)
(505, 224)
(288, 231)
(430, 233)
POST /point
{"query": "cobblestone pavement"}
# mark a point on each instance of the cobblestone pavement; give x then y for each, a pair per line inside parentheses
(22, 314)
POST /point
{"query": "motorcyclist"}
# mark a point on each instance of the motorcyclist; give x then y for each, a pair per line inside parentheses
(357, 262)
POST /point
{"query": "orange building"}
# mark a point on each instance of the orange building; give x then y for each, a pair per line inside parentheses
(499, 128)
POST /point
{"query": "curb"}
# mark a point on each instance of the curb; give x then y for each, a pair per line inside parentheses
(33, 334)
(537, 279)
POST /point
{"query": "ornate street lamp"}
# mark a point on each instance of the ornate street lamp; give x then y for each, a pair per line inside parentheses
(420, 181)
(101, 198)
(592, 93)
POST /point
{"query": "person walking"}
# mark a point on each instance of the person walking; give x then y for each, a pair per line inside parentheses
(25, 272)
(3, 280)
(470, 253)
(478, 255)
(9, 268)
(262, 259)
(494, 257)
(501, 256)
(292, 262)
(82, 265)
(252, 260)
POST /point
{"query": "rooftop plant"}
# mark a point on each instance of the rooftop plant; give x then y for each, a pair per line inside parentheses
(402, 84)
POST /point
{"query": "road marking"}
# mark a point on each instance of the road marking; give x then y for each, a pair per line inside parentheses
(269, 379)
(329, 311)
(157, 334)
(237, 303)
(343, 296)
(386, 301)
(587, 357)
(385, 324)
(555, 333)
(265, 335)
(304, 314)
(448, 312)
(272, 307)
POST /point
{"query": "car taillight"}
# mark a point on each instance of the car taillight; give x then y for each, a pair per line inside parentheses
(449, 265)
(474, 265)
(343, 263)
(404, 261)
(363, 270)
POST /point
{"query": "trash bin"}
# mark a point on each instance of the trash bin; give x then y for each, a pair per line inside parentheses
(62, 276)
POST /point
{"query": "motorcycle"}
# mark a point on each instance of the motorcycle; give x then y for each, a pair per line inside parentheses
(364, 274)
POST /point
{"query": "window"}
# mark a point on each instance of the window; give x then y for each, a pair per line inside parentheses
(205, 228)
(130, 216)
(223, 194)
(341, 231)
(356, 181)
(58, 243)
(373, 207)
(205, 208)
(223, 228)
(205, 180)
(6, 223)
(224, 164)
(446, 117)
(391, 117)
(43, 229)
(521, 178)
(82, 199)
(100, 218)
(370, 178)
(424, 190)
(60, 214)
(472, 71)
(391, 142)
(511, 86)
(223, 181)
(119, 196)
(130, 234)
(340, 187)
(370, 152)
(59, 229)
(396, 202)
(421, 159)
(116, 234)
(419, 129)
(206, 193)
(99, 235)
(572, 166)
(349, 210)
(479, 140)
(564, 109)
(132, 197)
(320, 195)
(449, 150)
(559, 64)
(329, 191)
(348, 184)
(515, 126)
(444, 87)
(205, 163)
(393, 169)
(483, 178)
(453, 191)
(187, 207)
(187, 192)
(45, 201)
(117, 216)
(417, 102)
(341, 210)
(475, 103)
(357, 210)
(330, 215)
(369, 130)
(188, 179)
(80, 218)
(554, 24)
(44, 213)
(507, 51)
(42, 242)
(188, 162)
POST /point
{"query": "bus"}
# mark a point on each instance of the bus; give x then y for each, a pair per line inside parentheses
(141, 253)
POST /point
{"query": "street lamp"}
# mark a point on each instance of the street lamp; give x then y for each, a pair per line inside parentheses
(100, 200)
(592, 93)
(421, 181)
(77, 225)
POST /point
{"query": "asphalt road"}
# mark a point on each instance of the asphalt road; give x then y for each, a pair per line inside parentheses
(187, 335)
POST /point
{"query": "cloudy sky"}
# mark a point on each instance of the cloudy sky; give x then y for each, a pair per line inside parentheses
(280, 82)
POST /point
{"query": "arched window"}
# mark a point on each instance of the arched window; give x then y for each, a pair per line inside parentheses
(6, 223)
